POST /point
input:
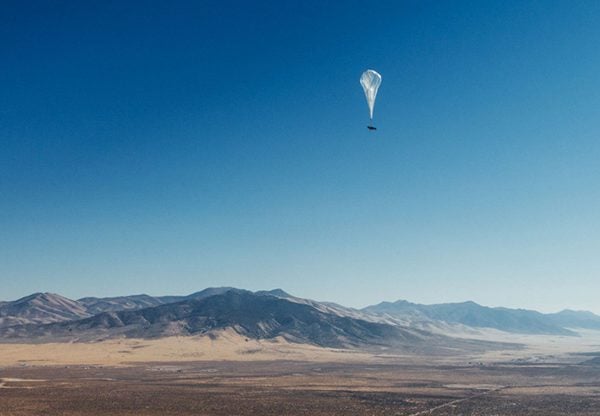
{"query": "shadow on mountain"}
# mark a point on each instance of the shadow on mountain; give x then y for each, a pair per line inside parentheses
(253, 315)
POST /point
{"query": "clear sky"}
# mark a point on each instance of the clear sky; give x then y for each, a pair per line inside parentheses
(163, 147)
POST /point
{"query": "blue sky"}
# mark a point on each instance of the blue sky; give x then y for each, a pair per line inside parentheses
(163, 148)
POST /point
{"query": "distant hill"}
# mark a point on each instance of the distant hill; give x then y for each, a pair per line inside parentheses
(41, 308)
(575, 319)
(268, 314)
(120, 303)
(210, 291)
(257, 316)
(474, 315)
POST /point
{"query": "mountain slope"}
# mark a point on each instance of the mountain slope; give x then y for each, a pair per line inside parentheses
(41, 308)
(251, 315)
(44, 317)
(473, 315)
(576, 319)
(209, 291)
(119, 303)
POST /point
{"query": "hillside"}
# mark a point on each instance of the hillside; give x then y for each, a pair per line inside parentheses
(41, 308)
(473, 315)
(272, 314)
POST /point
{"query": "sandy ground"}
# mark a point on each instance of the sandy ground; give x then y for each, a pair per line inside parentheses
(542, 348)
(296, 388)
(228, 375)
(226, 346)
(229, 346)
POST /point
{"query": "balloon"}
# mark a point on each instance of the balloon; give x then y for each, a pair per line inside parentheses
(370, 81)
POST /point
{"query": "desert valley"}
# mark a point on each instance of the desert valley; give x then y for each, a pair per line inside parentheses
(227, 351)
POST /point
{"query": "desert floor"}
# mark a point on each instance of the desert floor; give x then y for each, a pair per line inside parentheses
(228, 375)
(301, 388)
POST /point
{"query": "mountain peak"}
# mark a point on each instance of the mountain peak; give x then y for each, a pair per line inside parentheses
(224, 303)
(44, 297)
(249, 314)
(41, 308)
(472, 314)
(280, 293)
(212, 291)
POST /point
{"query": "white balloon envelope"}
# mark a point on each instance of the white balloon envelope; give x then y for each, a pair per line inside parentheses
(370, 81)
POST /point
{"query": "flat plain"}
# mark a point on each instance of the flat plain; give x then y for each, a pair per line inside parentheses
(230, 375)
(301, 388)
(227, 374)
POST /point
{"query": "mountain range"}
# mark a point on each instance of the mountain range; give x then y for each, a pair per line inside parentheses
(474, 315)
(46, 317)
